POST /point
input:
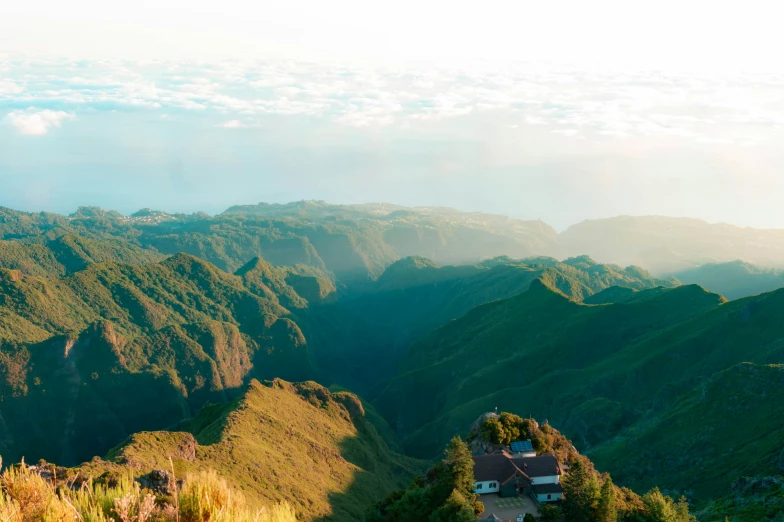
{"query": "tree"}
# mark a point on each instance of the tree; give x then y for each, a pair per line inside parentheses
(581, 494)
(455, 509)
(662, 508)
(549, 513)
(460, 463)
(493, 431)
(512, 425)
(574, 484)
(606, 510)
(529, 518)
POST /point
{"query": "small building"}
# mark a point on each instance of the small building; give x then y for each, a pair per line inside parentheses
(509, 476)
(522, 448)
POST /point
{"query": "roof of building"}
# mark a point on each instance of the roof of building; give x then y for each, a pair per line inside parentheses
(492, 516)
(521, 446)
(541, 466)
(498, 467)
(539, 489)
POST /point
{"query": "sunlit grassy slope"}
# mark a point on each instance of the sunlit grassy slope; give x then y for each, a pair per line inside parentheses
(280, 441)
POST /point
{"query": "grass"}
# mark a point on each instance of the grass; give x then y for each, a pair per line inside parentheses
(26, 496)
(279, 442)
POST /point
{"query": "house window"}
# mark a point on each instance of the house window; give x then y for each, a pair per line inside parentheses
(549, 497)
(479, 486)
(493, 485)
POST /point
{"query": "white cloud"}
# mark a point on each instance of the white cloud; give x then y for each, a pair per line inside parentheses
(598, 104)
(36, 123)
(9, 87)
(232, 124)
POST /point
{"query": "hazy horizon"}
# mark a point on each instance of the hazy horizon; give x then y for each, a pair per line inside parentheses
(199, 106)
(130, 211)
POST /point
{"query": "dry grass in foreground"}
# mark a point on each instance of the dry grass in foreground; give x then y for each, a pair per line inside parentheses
(25, 496)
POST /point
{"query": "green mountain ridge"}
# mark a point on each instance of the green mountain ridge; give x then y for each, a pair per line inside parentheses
(181, 329)
(654, 385)
(734, 279)
(530, 339)
(360, 340)
(114, 326)
(278, 441)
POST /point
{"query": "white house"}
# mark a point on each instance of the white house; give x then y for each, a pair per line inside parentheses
(509, 476)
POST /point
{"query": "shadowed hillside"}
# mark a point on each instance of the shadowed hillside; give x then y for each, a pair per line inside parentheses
(652, 382)
(511, 354)
(360, 340)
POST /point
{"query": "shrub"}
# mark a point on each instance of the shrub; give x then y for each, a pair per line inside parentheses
(549, 513)
(25, 496)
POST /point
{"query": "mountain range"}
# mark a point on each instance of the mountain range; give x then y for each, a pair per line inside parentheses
(133, 338)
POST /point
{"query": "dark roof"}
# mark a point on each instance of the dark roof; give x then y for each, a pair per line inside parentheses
(539, 489)
(541, 466)
(520, 446)
(494, 467)
(492, 516)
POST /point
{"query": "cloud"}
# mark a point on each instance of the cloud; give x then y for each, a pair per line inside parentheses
(9, 87)
(37, 123)
(598, 105)
(232, 124)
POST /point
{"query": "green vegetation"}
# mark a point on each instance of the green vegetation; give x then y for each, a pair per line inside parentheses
(750, 499)
(26, 496)
(179, 333)
(280, 442)
(355, 242)
(360, 339)
(590, 497)
(653, 386)
(543, 346)
(695, 457)
(113, 327)
(507, 427)
(444, 494)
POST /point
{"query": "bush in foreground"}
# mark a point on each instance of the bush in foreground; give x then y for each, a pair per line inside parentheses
(25, 496)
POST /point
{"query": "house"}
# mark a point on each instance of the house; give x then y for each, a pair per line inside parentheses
(522, 448)
(496, 473)
(509, 476)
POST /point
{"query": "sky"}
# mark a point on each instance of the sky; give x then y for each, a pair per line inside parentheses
(560, 111)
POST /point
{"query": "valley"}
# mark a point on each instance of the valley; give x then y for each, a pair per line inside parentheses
(325, 355)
